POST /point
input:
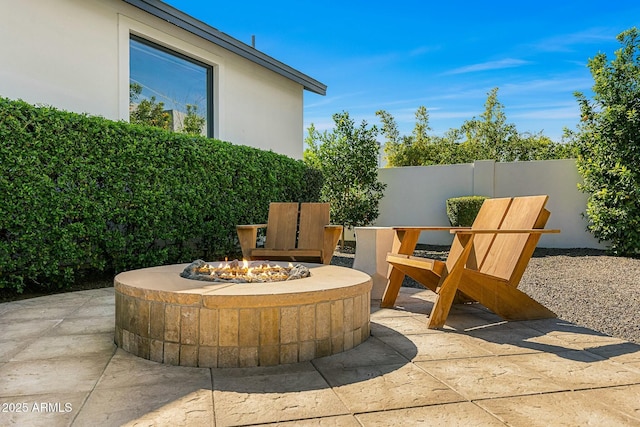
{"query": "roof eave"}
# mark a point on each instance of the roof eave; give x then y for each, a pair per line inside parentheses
(188, 23)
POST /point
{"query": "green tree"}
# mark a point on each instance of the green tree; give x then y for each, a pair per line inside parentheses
(608, 138)
(348, 159)
(486, 137)
(536, 146)
(421, 141)
(393, 147)
(490, 136)
(135, 89)
(148, 111)
(193, 123)
(412, 150)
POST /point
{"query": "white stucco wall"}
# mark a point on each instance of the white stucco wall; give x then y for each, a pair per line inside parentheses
(262, 109)
(62, 53)
(559, 180)
(74, 55)
(417, 196)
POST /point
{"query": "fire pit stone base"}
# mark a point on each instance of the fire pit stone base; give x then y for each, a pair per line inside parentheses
(169, 319)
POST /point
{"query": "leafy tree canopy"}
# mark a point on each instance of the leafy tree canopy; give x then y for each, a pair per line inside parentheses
(152, 113)
(609, 146)
(193, 123)
(486, 137)
(347, 156)
(148, 111)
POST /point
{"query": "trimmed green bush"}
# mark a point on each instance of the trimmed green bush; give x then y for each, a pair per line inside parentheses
(462, 211)
(86, 194)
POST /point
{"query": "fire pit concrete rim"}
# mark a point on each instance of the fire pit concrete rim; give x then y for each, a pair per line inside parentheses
(164, 284)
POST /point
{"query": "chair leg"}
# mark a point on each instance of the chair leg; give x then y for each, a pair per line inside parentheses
(448, 289)
(404, 243)
(393, 287)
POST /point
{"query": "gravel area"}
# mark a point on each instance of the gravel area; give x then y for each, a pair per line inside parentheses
(584, 286)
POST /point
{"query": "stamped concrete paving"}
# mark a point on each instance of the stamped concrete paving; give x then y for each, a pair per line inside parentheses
(59, 367)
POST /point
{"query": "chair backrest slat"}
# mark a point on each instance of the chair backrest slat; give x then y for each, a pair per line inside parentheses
(504, 256)
(303, 223)
(490, 215)
(313, 218)
(282, 226)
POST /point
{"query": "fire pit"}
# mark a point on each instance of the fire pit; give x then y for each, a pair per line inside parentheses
(244, 272)
(167, 318)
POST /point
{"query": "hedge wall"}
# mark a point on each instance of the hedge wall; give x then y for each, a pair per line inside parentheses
(82, 193)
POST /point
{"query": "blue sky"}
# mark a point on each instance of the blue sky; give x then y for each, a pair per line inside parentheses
(445, 55)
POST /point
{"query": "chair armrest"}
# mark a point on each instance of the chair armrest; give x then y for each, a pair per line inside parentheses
(407, 236)
(507, 231)
(250, 226)
(333, 227)
(428, 228)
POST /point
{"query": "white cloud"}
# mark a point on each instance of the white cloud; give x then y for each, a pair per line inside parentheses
(562, 84)
(566, 42)
(490, 65)
(421, 50)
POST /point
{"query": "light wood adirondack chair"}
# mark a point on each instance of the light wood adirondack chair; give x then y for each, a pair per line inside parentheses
(294, 233)
(485, 262)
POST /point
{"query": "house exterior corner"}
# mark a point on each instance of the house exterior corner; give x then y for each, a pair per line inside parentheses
(75, 56)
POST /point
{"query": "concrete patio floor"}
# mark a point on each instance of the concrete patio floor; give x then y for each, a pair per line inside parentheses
(59, 367)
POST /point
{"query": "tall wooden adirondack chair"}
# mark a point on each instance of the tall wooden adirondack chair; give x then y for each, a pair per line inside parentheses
(294, 233)
(485, 262)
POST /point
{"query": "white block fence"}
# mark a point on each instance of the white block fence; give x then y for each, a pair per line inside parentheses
(417, 196)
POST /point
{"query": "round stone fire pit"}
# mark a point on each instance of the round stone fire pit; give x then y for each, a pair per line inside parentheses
(170, 319)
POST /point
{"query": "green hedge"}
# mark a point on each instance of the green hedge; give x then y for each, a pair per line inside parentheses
(462, 211)
(82, 193)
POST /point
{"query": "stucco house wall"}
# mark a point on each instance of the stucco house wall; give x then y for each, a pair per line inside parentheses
(74, 55)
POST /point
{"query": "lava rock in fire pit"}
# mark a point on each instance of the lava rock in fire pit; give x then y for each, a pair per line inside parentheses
(245, 272)
(191, 271)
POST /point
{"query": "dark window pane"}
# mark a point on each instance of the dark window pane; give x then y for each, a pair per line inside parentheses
(166, 77)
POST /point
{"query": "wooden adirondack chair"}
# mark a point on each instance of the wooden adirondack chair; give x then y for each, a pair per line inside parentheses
(485, 262)
(294, 233)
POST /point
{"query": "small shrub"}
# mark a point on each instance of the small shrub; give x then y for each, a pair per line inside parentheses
(462, 211)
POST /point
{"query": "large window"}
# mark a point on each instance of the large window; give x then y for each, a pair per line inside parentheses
(169, 90)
